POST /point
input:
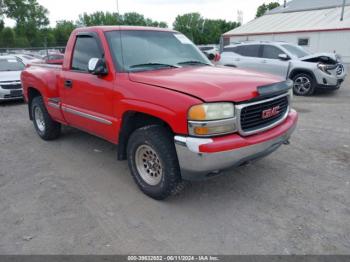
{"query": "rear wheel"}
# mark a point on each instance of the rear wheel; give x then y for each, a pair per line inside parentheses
(304, 85)
(153, 162)
(45, 126)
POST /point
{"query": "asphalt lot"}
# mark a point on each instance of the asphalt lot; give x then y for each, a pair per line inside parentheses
(72, 196)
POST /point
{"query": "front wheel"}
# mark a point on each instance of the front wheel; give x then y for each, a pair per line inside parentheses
(304, 85)
(45, 126)
(153, 162)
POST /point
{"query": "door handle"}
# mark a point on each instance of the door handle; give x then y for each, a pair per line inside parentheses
(68, 83)
(264, 61)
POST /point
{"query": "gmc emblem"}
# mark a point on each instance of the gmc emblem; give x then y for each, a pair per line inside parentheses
(270, 112)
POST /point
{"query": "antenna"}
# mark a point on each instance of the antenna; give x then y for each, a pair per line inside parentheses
(240, 16)
(342, 11)
(117, 3)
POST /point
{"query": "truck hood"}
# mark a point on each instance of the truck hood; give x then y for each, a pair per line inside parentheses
(9, 76)
(208, 83)
(329, 58)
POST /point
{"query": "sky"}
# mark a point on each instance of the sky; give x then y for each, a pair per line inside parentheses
(160, 10)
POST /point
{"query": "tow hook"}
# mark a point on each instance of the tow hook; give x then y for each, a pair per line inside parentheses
(287, 142)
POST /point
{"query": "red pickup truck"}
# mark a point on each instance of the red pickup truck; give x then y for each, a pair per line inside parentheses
(173, 115)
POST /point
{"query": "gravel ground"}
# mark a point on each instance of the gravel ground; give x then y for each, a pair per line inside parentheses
(72, 196)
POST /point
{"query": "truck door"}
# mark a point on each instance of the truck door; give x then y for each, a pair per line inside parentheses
(87, 100)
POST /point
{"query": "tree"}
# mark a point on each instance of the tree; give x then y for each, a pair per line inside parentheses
(264, 8)
(2, 25)
(2, 13)
(107, 18)
(26, 11)
(8, 37)
(200, 30)
(22, 42)
(30, 18)
(62, 32)
(99, 18)
(190, 25)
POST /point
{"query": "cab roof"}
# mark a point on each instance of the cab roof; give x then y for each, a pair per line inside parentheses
(122, 28)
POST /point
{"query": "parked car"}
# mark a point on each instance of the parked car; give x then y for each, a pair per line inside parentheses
(27, 59)
(54, 59)
(173, 115)
(211, 51)
(308, 71)
(10, 83)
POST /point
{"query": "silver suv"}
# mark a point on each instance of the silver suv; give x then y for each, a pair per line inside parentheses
(308, 71)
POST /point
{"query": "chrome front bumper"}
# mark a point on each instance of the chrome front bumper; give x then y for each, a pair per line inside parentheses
(197, 166)
(332, 81)
(10, 94)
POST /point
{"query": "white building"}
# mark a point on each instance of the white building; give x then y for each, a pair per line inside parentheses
(314, 24)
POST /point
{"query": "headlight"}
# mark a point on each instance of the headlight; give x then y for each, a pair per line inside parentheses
(212, 119)
(291, 93)
(213, 111)
(324, 68)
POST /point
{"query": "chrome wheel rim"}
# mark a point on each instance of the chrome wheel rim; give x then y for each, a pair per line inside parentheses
(39, 119)
(302, 85)
(148, 165)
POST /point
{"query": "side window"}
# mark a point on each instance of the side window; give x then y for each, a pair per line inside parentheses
(86, 47)
(249, 50)
(271, 52)
(231, 49)
(57, 57)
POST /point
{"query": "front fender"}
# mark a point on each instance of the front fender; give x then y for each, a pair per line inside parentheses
(176, 120)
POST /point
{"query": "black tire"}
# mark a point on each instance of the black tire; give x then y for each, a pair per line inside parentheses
(52, 129)
(159, 140)
(304, 84)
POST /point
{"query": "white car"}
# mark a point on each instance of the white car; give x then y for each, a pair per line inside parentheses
(308, 71)
(211, 51)
(28, 59)
(10, 83)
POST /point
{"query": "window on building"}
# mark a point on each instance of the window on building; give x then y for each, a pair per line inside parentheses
(303, 41)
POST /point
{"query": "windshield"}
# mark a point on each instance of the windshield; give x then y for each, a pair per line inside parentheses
(296, 50)
(153, 50)
(10, 64)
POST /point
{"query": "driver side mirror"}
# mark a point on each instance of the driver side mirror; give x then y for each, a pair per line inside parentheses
(211, 57)
(97, 66)
(284, 57)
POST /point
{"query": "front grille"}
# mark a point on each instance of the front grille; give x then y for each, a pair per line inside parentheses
(262, 115)
(11, 86)
(340, 69)
(15, 94)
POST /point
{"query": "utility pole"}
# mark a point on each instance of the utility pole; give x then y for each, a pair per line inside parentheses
(45, 45)
(342, 11)
(240, 16)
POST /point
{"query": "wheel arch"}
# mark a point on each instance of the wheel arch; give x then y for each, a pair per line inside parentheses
(131, 121)
(297, 71)
(32, 93)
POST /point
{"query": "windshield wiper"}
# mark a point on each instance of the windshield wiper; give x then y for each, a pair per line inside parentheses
(157, 65)
(192, 62)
